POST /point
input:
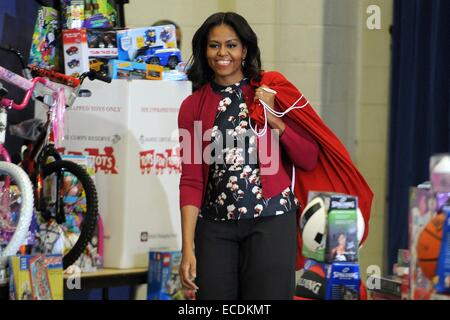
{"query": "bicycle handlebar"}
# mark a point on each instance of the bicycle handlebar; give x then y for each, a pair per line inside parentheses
(29, 92)
(55, 76)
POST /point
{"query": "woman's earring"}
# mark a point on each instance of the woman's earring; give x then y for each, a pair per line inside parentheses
(243, 63)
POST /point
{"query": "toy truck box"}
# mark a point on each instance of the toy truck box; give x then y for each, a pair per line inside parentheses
(119, 69)
(102, 43)
(76, 56)
(153, 45)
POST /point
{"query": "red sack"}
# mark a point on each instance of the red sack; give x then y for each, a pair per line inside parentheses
(335, 171)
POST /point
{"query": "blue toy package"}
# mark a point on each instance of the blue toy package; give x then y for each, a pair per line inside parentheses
(343, 281)
(151, 45)
(443, 267)
(163, 278)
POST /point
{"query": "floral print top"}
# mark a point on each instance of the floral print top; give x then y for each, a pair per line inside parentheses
(234, 188)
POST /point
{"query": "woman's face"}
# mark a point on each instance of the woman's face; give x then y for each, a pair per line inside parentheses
(225, 52)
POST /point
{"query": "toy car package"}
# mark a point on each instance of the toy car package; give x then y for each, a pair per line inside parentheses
(151, 45)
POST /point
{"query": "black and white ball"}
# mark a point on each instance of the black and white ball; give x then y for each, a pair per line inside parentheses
(313, 223)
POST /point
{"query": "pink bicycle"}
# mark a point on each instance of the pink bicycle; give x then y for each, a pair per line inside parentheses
(16, 189)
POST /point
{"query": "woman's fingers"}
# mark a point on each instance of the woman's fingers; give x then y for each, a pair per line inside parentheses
(187, 275)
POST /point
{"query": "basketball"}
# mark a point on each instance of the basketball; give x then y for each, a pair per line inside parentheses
(312, 283)
(429, 244)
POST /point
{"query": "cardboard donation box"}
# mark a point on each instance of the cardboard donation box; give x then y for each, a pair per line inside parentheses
(130, 127)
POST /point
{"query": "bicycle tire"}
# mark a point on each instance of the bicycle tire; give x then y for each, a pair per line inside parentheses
(22, 180)
(89, 221)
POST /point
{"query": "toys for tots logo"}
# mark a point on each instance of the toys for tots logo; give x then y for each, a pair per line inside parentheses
(105, 161)
(166, 162)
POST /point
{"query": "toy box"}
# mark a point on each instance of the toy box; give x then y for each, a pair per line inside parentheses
(102, 43)
(36, 277)
(163, 277)
(422, 206)
(76, 54)
(152, 45)
(72, 14)
(130, 129)
(119, 69)
(443, 267)
(99, 14)
(343, 281)
(45, 46)
(337, 241)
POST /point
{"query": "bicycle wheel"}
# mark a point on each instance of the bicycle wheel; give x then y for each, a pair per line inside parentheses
(16, 208)
(70, 199)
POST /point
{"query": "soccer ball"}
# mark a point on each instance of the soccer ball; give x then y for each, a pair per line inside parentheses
(313, 222)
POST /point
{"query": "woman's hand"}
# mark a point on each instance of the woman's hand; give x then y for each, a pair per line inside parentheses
(269, 99)
(188, 270)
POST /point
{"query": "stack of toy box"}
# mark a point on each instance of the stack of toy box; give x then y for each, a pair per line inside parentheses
(89, 35)
(330, 242)
(36, 277)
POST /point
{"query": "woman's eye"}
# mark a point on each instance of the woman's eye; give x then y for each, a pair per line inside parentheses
(213, 45)
(231, 45)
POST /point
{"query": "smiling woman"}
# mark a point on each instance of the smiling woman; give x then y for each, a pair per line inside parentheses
(238, 219)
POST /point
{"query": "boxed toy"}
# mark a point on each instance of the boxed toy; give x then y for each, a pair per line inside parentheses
(135, 149)
(36, 277)
(152, 45)
(72, 14)
(163, 277)
(343, 281)
(423, 205)
(45, 46)
(76, 54)
(99, 14)
(119, 69)
(329, 227)
(443, 267)
(102, 43)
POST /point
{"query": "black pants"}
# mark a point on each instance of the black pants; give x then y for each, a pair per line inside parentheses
(246, 259)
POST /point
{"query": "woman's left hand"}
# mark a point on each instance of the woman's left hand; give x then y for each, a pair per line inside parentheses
(269, 99)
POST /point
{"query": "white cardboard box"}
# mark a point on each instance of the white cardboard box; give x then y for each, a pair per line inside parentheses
(131, 129)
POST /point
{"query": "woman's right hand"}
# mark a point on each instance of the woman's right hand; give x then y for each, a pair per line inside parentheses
(188, 270)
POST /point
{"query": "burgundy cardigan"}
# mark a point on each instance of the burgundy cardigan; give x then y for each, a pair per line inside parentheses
(296, 147)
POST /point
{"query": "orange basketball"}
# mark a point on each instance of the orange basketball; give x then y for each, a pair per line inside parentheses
(429, 244)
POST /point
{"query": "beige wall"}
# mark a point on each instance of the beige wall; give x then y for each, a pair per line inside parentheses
(326, 50)
(372, 124)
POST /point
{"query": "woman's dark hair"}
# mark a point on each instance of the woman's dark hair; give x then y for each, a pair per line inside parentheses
(198, 70)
